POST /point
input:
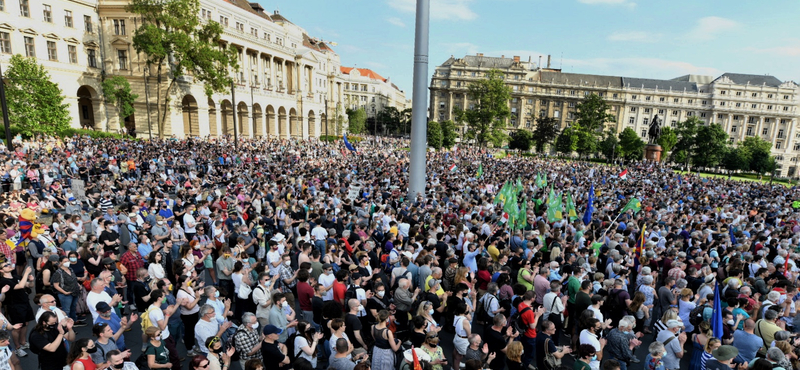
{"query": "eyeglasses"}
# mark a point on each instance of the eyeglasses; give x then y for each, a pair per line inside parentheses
(214, 340)
(203, 366)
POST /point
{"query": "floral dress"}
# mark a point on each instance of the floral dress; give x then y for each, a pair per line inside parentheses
(436, 354)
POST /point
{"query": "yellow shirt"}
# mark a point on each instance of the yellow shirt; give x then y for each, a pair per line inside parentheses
(493, 252)
(439, 292)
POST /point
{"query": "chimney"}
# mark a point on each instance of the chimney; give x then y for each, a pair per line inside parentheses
(480, 54)
(548, 61)
(503, 56)
(516, 59)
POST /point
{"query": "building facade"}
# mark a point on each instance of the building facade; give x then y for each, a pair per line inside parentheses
(366, 89)
(744, 105)
(284, 80)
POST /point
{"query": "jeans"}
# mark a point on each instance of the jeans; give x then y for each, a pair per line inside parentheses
(69, 304)
(320, 245)
(529, 347)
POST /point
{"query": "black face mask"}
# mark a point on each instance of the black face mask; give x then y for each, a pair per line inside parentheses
(119, 366)
(91, 350)
(51, 327)
(218, 350)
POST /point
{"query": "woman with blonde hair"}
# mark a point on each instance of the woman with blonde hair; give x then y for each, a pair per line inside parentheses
(432, 348)
(685, 307)
(514, 356)
(702, 342)
(671, 314)
(425, 311)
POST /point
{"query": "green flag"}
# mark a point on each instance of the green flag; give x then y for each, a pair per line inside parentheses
(501, 195)
(634, 204)
(522, 219)
(554, 207)
(480, 170)
(541, 180)
(518, 187)
(571, 208)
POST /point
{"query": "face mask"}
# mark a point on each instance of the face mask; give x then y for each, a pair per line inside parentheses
(53, 326)
(216, 294)
(73, 259)
(53, 308)
(287, 263)
(160, 222)
(594, 358)
(782, 299)
(158, 337)
(254, 325)
(381, 293)
(664, 354)
(227, 255)
(285, 304)
(197, 246)
(3, 348)
(626, 332)
(360, 307)
(112, 278)
(91, 350)
(731, 322)
(119, 366)
(430, 312)
(164, 300)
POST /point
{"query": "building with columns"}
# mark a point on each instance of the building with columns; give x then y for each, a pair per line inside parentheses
(366, 89)
(743, 104)
(281, 88)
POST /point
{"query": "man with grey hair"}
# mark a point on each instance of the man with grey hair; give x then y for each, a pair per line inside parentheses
(403, 299)
(491, 303)
(621, 343)
(247, 339)
(772, 299)
(221, 307)
(208, 326)
(775, 356)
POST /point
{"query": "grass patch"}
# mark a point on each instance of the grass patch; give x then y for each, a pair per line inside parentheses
(744, 177)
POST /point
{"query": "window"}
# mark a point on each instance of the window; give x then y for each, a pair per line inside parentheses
(5, 43)
(223, 21)
(738, 105)
(731, 140)
(723, 92)
(749, 131)
(570, 115)
(122, 55)
(556, 114)
(644, 133)
(647, 110)
(542, 113)
(90, 53)
(719, 116)
(543, 102)
(87, 21)
(633, 97)
(633, 109)
(784, 121)
(585, 93)
(785, 109)
(240, 26)
(769, 107)
(751, 120)
(52, 53)
(558, 91)
(615, 95)
(48, 13)
(2, 5)
(472, 74)
(253, 31)
(513, 100)
(690, 101)
(755, 95)
(778, 146)
(733, 129)
(704, 102)
(676, 100)
(738, 93)
(786, 97)
(797, 146)
(660, 111)
(647, 98)
(703, 115)
(645, 121)
(765, 131)
(119, 27)
(68, 18)
(769, 96)
(662, 99)
(754, 106)
(572, 92)
(530, 101)
(73, 54)
(515, 88)
(206, 13)
(780, 134)
(722, 104)
(673, 123)
(30, 49)
(674, 113)
(689, 114)
(572, 104)
(767, 120)
(631, 120)
(736, 117)
(24, 9)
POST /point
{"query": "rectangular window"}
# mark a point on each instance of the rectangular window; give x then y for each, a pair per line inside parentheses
(87, 21)
(703, 115)
(24, 9)
(556, 114)
(765, 131)
(647, 110)
(704, 102)
(767, 120)
(572, 92)
(749, 131)
(751, 120)
(253, 31)
(660, 111)
(673, 123)
(719, 116)
(723, 92)
(223, 20)
(754, 106)
(30, 48)
(733, 129)
(661, 99)
(90, 53)
(769, 96)
(73, 54)
(644, 133)
(614, 95)
(572, 104)
(736, 118)
(647, 98)
(738, 93)
(48, 13)
(122, 55)
(633, 97)
(796, 146)
(633, 109)
(778, 145)
(676, 100)
(738, 105)
(631, 120)
(5, 43)
(674, 113)
(722, 104)
(786, 97)
(585, 93)
(769, 107)
(52, 53)
(240, 26)
(755, 95)
(690, 101)
(645, 121)
(785, 109)
(119, 27)
(780, 134)
(2, 5)
(68, 18)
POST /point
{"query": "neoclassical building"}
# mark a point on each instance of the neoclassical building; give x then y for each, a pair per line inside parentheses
(366, 89)
(743, 104)
(284, 80)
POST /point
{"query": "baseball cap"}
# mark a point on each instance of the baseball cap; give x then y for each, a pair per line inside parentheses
(671, 324)
(272, 329)
(102, 307)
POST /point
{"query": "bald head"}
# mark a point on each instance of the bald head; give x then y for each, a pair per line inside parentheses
(47, 301)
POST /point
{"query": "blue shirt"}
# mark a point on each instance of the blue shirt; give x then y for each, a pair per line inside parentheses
(469, 260)
(747, 344)
(114, 323)
(145, 249)
(166, 213)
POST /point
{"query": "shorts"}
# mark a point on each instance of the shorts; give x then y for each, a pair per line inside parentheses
(20, 314)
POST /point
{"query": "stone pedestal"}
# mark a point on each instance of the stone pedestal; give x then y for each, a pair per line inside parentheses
(652, 152)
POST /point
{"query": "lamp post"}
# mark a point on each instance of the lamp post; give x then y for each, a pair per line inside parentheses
(419, 119)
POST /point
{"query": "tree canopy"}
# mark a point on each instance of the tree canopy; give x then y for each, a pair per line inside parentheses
(545, 132)
(357, 120)
(35, 103)
(486, 121)
(117, 91)
(449, 133)
(592, 114)
(521, 139)
(631, 145)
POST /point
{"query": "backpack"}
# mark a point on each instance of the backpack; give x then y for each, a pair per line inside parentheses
(141, 362)
(146, 323)
(481, 311)
(696, 315)
(349, 294)
(402, 276)
(518, 323)
(612, 304)
(290, 347)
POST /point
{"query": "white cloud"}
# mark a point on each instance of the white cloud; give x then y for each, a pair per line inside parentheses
(634, 36)
(377, 67)
(708, 28)
(786, 50)
(440, 9)
(396, 21)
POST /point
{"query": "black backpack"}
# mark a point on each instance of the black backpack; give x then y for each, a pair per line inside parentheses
(141, 362)
(696, 315)
(612, 304)
(484, 305)
(349, 294)
(518, 323)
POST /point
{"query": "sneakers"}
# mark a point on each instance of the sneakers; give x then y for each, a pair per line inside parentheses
(635, 360)
(192, 353)
(25, 346)
(21, 353)
(80, 323)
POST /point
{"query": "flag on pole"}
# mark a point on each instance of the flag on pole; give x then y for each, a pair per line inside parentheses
(417, 365)
(680, 180)
(733, 237)
(452, 168)
(511, 207)
(624, 174)
(639, 248)
(716, 316)
(522, 219)
(347, 144)
(541, 180)
(554, 207)
(501, 195)
(634, 204)
(571, 213)
(587, 215)
(480, 170)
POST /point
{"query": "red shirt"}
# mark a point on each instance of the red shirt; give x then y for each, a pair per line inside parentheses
(528, 317)
(132, 263)
(304, 294)
(338, 291)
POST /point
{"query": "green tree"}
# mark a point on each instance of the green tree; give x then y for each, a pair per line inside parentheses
(686, 145)
(434, 135)
(172, 37)
(592, 115)
(449, 133)
(667, 140)
(486, 122)
(35, 104)
(567, 141)
(339, 120)
(117, 91)
(521, 139)
(545, 132)
(357, 121)
(389, 119)
(609, 146)
(712, 139)
(759, 151)
(736, 159)
(631, 145)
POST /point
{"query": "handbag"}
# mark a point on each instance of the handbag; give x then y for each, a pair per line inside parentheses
(550, 360)
(244, 291)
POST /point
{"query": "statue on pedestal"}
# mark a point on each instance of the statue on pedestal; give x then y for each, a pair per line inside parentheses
(654, 132)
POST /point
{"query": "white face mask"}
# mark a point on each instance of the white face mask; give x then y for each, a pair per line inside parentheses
(731, 322)
(285, 304)
(360, 308)
(381, 293)
(287, 263)
(254, 325)
(160, 222)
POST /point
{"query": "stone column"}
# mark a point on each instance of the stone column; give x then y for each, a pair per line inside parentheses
(202, 121)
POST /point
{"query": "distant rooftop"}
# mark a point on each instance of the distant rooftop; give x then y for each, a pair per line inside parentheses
(759, 80)
(580, 79)
(666, 85)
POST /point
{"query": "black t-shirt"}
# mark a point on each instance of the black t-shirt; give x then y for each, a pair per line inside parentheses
(111, 236)
(140, 290)
(13, 296)
(374, 303)
(316, 306)
(56, 360)
(541, 339)
(352, 323)
(273, 356)
(417, 339)
(494, 339)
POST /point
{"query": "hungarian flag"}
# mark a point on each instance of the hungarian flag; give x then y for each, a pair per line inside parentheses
(452, 168)
(624, 174)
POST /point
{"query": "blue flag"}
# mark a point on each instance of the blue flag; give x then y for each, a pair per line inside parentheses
(347, 144)
(587, 215)
(604, 180)
(716, 317)
(733, 237)
(680, 180)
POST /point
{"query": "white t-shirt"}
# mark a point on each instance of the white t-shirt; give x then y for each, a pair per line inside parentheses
(236, 277)
(589, 338)
(157, 315)
(182, 294)
(272, 257)
(189, 220)
(361, 295)
(60, 315)
(327, 280)
(299, 343)
(203, 330)
(92, 299)
(5, 359)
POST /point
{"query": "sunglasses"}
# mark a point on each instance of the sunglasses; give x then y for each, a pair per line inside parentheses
(203, 366)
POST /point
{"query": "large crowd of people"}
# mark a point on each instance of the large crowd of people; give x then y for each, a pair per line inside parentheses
(293, 254)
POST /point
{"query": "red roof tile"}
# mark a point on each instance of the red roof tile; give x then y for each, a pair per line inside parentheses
(364, 72)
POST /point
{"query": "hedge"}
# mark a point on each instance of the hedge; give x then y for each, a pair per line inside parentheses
(352, 139)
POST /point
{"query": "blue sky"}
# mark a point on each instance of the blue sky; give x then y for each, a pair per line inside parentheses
(633, 38)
